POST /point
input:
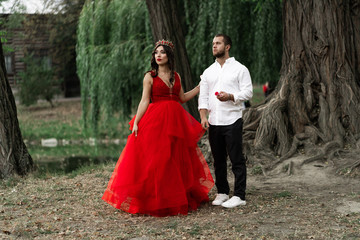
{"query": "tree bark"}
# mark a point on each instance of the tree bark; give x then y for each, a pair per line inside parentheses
(14, 157)
(165, 24)
(316, 104)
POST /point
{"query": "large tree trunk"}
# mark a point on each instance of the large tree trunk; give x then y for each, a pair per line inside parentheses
(165, 25)
(316, 105)
(14, 157)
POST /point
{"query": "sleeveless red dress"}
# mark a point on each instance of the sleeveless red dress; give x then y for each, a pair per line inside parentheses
(162, 171)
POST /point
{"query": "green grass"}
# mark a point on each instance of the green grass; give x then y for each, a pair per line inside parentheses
(40, 129)
(256, 170)
(64, 121)
(172, 225)
(258, 95)
(39, 152)
(284, 194)
(195, 230)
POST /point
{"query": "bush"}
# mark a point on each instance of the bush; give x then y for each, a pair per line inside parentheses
(37, 82)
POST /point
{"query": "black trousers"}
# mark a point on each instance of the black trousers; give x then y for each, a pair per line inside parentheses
(227, 140)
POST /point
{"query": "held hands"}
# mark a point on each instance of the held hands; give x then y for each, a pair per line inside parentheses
(223, 96)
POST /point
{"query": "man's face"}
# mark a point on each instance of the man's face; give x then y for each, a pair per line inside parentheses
(218, 47)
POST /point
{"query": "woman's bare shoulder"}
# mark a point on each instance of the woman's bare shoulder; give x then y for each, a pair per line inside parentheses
(148, 77)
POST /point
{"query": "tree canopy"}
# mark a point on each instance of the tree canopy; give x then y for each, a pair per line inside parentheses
(254, 26)
(113, 52)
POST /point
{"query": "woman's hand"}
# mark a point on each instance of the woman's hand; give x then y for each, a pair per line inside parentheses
(135, 129)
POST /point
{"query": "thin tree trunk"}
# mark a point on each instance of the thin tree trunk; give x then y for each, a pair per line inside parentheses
(14, 157)
(165, 25)
(316, 104)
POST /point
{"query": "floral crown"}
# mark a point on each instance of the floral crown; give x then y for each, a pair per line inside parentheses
(166, 43)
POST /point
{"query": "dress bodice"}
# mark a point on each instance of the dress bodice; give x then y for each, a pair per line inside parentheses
(160, 91)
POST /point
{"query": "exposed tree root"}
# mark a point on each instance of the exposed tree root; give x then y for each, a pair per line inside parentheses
(273, 128)
(323, 152)
(295, 144)
(355, 165)
(290, 167)
(316, 103)
(308, 138)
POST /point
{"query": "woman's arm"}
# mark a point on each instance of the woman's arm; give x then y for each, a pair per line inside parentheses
(184, 97)
(144, 102)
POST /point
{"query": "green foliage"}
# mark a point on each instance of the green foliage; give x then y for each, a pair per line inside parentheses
(4, 40)
(258, 94)
(38, 81)
(267, 42)
(114, 46)
(12, 21)
(254, 27)
(113, 53)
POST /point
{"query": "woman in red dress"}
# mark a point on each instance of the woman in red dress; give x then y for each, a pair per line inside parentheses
(161, 171)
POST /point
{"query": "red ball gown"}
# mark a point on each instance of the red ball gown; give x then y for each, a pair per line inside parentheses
(162, 171)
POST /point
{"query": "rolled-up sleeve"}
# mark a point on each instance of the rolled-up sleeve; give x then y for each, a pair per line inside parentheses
(245, 86)
(203, 102)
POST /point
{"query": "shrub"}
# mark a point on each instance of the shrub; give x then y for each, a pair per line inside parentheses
(37, 81)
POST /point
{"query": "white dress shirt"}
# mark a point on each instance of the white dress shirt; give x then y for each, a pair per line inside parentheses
(232, 77)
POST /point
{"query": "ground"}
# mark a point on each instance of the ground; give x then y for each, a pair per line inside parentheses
(314, 202)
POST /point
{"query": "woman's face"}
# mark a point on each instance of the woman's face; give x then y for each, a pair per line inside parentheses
(160, 56)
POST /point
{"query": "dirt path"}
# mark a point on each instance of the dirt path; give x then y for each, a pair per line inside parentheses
(318, 181)
(313, 203)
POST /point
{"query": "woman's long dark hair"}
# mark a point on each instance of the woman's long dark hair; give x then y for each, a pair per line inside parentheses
(171, 63)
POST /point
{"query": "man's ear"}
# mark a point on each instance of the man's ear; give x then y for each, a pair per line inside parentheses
(227, 47)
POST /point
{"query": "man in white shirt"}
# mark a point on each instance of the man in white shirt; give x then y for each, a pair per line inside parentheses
(224, 88)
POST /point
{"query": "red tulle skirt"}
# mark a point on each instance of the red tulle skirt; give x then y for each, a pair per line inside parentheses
(162, 171)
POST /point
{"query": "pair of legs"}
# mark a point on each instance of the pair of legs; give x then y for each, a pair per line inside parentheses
(224, 141)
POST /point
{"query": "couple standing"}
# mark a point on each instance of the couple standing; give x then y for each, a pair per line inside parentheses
(161, 171)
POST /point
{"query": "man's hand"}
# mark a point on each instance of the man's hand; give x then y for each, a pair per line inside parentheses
(203, 118)
(224, 96)
(204, 123)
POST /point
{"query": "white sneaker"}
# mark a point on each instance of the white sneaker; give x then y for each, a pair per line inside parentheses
(220, 198)
(233, 202)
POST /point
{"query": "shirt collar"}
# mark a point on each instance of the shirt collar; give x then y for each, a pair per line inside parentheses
(229, 60)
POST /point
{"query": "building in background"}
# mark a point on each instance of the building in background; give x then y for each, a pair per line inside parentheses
(31, 37)
(23, 41)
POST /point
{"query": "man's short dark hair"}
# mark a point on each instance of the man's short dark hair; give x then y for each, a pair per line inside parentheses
(227, 39)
